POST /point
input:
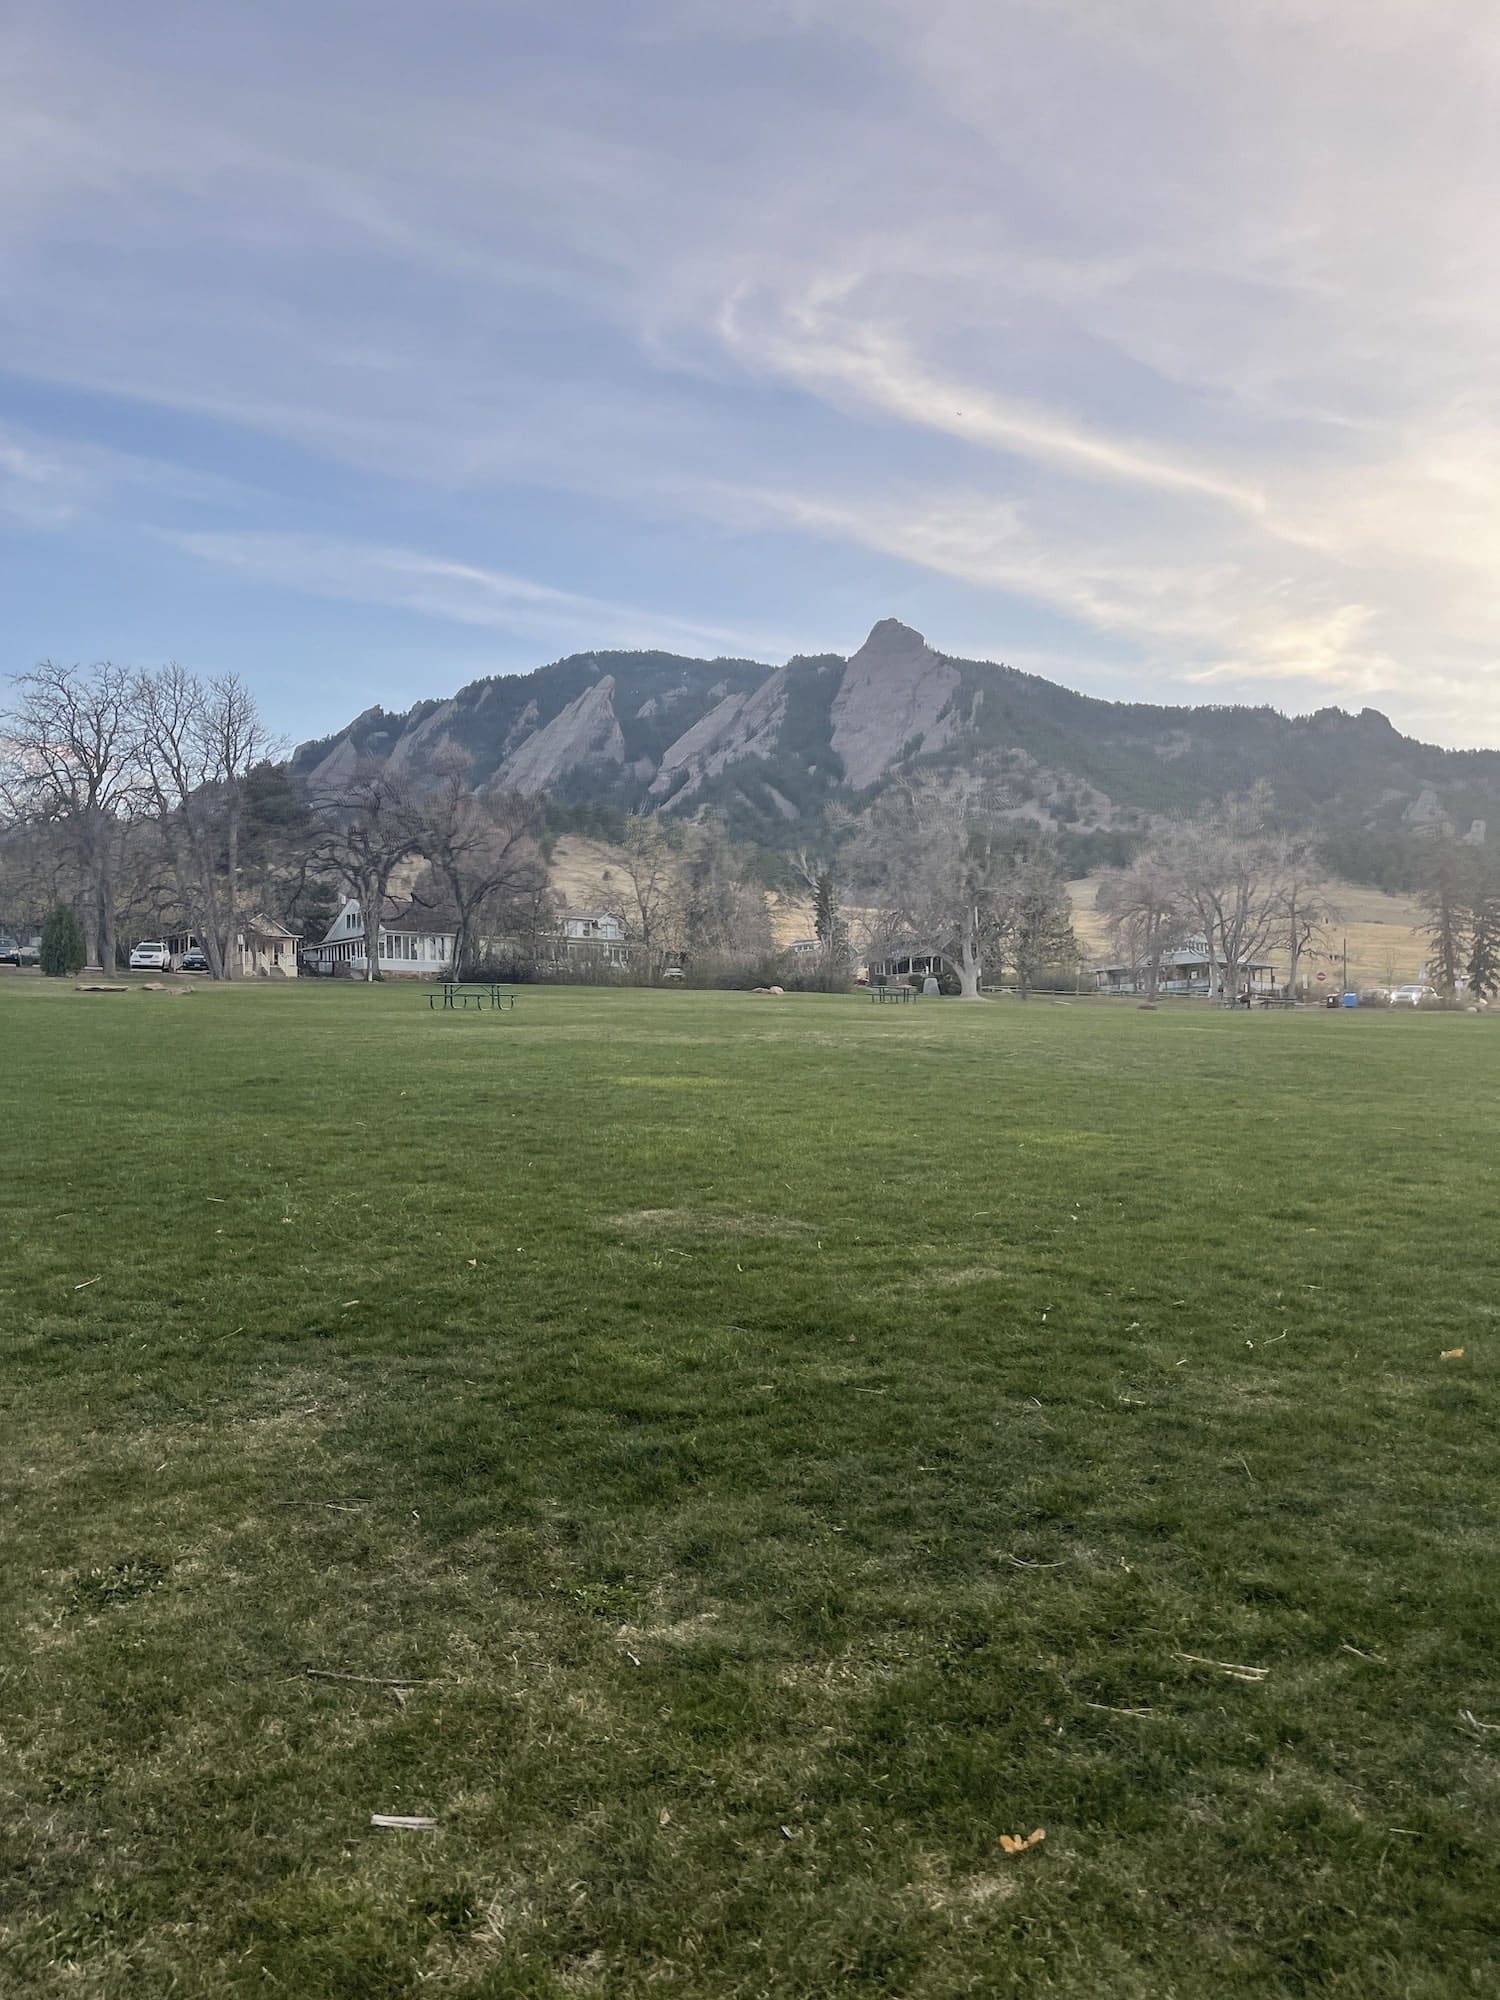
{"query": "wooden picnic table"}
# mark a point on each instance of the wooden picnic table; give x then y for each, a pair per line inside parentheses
(457, 994)
(902, 995)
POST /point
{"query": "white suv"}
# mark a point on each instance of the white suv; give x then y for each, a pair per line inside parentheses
(150, 956)
(1411, 996)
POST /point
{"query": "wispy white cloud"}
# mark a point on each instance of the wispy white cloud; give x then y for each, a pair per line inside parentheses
(461, 593)
(48, 482)
(1173, 317)
(833, 350)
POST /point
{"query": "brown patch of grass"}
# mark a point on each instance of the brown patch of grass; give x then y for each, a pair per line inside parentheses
(967, 1274)
(965, 1895)
(706, 1222)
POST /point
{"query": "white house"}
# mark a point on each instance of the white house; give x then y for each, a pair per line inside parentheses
(264, 949)
(591, 927)
(592, 937)
(415, 943)
(903, 962)
(1184, 968)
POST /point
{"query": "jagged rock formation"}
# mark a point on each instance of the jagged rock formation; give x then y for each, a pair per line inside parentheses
(742, 725)
(583, 736)
(772, 748)
(893, 701)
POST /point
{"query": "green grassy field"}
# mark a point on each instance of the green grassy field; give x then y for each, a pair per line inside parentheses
(780, 1446)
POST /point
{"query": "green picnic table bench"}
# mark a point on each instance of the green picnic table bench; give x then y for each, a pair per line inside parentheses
(453, 995)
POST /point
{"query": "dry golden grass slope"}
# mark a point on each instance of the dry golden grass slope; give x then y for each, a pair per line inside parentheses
(1386, 946)
(578, 864)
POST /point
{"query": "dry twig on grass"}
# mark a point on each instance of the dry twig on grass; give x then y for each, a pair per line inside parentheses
(365, 1680)
(1239, 1673)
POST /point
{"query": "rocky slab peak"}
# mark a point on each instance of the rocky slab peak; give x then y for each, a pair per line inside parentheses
(743, 725)
(586, 732)
(894, 696)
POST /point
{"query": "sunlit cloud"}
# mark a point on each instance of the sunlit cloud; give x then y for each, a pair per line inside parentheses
(1165, 333)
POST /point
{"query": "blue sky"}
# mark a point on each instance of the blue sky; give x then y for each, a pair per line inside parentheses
(365, 348)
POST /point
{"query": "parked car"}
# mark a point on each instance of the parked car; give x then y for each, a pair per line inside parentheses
(1412, 996)
(151, 955)
(19, 954)
(194, 960)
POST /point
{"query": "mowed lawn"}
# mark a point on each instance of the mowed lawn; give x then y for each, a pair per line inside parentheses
(778, 1447)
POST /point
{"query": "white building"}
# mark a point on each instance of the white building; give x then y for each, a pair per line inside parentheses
(414, 943)
(592, 937)
(591, 927)
(1185, 968)
(264, 949)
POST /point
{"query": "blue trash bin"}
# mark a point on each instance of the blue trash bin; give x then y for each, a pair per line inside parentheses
(1351, 999)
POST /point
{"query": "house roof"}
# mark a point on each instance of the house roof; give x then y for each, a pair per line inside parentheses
(1177, 959)
(416, 919)
(588, 916)
(260, 926)
(427, 920)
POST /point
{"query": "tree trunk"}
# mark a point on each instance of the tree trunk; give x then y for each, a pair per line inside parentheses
(968, 969)
(106, 905)
(372, 898)
(231, 897)
(91, 944)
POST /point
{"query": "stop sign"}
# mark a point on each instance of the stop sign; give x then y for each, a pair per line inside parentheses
(1321, 977)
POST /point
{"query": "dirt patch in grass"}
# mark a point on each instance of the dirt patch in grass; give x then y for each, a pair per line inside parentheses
(968, 1274)
(670, 1082)
(964, 1895)
(681, 1632)
(706, 1222)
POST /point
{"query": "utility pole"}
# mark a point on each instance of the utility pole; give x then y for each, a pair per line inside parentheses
(1346, 964)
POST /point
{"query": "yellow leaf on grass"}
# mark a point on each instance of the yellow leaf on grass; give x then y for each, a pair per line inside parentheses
(1015, 1843)
(1451, 1354)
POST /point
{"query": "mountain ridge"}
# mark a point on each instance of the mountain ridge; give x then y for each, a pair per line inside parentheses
(772, 748)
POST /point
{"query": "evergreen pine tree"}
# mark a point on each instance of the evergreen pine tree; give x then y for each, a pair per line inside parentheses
(1483, 969)
(1445, 894)
(62, 942)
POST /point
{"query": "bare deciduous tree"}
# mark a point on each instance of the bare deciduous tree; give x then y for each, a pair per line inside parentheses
(71, 763)
(197, 743)
(723, 911)
(1145, 913)
(934, 864)
(1035, 918)
(1306, 911)
(482, 850)
(1233, 872)
(643, 890)
(373, 826)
